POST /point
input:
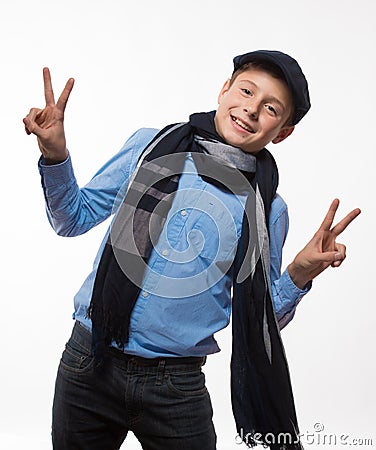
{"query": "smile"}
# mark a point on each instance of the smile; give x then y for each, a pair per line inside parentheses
(242, 124)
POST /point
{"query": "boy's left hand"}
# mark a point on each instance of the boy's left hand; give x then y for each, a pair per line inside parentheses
(322, 250)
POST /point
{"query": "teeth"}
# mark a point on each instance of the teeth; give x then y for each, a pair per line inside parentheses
(242, 124)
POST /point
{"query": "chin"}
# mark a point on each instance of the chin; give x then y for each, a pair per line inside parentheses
(235, 141)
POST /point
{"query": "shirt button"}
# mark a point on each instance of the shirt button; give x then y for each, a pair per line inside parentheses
(165, 252)
(144, 294)
(183, 212)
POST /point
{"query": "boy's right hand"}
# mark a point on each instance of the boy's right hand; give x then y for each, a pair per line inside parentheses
(48, 123)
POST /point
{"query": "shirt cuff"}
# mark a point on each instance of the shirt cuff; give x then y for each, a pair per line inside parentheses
(294, 294)
(290, 290)
(56, 174)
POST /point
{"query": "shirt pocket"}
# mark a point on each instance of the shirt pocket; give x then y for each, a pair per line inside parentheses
(215, 232)
(199, 245)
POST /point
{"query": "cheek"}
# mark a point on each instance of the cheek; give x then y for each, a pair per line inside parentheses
(222, 114)
(222, 107)
(270, 125)
(228, 101)
(219, 121)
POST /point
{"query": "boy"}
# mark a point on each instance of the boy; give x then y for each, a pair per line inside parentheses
(196, 214)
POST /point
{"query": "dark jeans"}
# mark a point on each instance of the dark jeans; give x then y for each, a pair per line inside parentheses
(164, 402)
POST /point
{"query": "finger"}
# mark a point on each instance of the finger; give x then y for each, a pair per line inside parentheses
(63, 99)
(316, 241)
(328, 220)
(30, 118)
(33, 113)
(48, 91)
(26, 129)
(340, 255)
(32, 128)
(341, 249)
(43, 118)
(328, 257)
(344, 223)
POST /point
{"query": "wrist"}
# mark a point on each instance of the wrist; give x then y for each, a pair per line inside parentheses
(298, 275)
(52, 159)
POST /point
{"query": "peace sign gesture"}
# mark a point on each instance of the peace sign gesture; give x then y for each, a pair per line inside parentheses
(48, 123)
(322, 250)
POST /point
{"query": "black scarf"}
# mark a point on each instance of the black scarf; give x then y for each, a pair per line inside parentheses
(261, 391)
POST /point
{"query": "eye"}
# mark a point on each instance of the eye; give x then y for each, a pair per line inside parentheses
(246, 91)
(271, 109)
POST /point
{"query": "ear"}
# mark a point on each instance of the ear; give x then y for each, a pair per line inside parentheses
(283, 134)
(224, 90)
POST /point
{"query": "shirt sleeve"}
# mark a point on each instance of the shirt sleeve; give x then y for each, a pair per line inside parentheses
(72, 210)
(286, 295)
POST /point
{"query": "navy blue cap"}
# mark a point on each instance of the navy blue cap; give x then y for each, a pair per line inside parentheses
(292, 72)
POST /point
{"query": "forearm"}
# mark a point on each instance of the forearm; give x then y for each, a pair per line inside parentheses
(71, 211)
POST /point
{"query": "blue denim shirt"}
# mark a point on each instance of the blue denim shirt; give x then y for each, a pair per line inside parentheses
(181, 305)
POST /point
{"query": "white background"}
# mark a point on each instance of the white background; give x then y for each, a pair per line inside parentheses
(149, 63)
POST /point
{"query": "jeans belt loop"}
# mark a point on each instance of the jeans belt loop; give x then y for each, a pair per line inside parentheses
(160, 372)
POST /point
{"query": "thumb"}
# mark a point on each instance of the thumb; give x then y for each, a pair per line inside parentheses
(333, 257)
(32, 128)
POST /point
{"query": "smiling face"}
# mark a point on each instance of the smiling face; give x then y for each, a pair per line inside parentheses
(253, 110)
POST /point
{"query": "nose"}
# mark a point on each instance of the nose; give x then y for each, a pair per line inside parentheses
(252, 109)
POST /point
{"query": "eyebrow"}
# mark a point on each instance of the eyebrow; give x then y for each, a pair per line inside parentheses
(270, 98)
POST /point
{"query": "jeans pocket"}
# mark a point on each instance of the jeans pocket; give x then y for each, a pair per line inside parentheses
(75, 358)
(186, 383)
